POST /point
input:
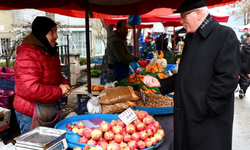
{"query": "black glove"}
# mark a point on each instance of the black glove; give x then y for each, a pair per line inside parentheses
(136, 58)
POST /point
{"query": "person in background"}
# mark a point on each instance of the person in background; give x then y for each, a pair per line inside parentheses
(159, 42)
(118, 53)
(149, 39)
(244, 81)
(37, 72)
(243, 36)
(205, 83)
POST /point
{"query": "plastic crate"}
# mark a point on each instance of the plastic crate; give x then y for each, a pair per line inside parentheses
(149, 55)
(63, 99)
(82, 100)
(171, 67)
(7, 79)
(97, 60)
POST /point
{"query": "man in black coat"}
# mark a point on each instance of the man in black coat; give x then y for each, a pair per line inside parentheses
(205, 83)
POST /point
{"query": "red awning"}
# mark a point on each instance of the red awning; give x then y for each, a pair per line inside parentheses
(114, 7)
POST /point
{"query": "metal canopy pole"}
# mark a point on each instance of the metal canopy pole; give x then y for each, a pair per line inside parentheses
(87, 45)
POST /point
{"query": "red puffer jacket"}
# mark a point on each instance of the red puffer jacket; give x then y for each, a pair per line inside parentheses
(37, 76)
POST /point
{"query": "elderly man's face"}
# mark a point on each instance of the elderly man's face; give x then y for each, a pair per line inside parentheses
(124, 29)
(52, 36)
(189, 21)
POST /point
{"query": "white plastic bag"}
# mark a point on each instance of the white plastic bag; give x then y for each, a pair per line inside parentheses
(93, 105)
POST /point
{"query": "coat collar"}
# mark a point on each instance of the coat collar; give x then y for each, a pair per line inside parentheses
(207, 26)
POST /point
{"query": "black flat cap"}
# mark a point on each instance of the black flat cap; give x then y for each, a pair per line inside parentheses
(191, 4)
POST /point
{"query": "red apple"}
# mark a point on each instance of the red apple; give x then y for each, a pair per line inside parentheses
(135, 136)
(140, 126)
(109, 135)
(87, 132)
(157, 124)
(77, 148)
(154, 140)
(104, 126)
(92, 142)
(143, 135)
(150, 132)
(83, 140)
(158, 136)
(136, 112)
(102, 140)
(148, 142)
(104, 145)
(153, 127)
(117, 129)
(126, 137)
(118, 138)
(161, 131)
(141, 144)
(96, 134)
(80, 125)
(142, 114)
(114, 146)
(132, 145)
(120, 123)
(148, 120)
(113, 123)
(130, 128)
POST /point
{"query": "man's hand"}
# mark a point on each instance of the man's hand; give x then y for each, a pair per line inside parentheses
(151, 81)
(248, 75)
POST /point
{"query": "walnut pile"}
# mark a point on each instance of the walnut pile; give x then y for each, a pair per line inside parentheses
(154, 100)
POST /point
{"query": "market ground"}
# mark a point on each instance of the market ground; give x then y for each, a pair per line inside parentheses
(241, 130)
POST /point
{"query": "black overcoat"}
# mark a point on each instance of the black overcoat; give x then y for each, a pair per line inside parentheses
(204, 89)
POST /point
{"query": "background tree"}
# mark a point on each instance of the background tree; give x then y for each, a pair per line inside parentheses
(241, 9)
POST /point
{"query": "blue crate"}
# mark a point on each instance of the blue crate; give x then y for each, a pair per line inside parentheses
(97, 60)
(7, 85)
(63, 99)
(171, 67)
(82, 100)
(149, 55)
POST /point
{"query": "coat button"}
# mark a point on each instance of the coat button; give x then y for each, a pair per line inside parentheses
(218, 109)
(178, 108)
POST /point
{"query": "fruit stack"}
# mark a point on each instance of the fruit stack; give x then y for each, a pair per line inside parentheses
(142, 133)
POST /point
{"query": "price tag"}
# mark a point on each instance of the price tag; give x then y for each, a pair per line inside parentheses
(155, 57)
(127, 116)
(98, 147)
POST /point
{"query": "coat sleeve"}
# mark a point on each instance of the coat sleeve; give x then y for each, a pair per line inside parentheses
(30, 80)
(248, 65)
(118, 50)
(226, 68)
(167, 84)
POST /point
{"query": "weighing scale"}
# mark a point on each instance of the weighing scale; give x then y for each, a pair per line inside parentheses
(42, 138)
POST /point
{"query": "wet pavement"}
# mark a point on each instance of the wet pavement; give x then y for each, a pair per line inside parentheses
(241, 128)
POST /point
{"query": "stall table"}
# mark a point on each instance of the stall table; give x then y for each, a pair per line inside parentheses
(82, 97)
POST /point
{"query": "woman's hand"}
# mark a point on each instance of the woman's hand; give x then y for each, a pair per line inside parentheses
(66, 90)
(151, 81)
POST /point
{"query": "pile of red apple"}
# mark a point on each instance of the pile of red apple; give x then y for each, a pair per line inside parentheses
(141, 133)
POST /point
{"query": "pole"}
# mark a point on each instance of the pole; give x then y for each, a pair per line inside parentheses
(174, 39)
(87, 45)
(134, 35)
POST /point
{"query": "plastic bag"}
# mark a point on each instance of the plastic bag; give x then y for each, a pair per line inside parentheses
(118, 95)
(110, 85)
(117, 107)
(93, 105)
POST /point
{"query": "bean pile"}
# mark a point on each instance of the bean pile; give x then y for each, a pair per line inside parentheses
(154, 100)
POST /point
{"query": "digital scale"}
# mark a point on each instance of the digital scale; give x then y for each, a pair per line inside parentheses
(42, 138)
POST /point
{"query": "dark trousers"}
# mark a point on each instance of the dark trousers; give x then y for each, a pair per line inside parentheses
(244, 82)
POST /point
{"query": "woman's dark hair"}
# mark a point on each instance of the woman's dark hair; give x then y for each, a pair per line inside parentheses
(119, 24)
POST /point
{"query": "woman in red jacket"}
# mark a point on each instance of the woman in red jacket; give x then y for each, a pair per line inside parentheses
(38, 75)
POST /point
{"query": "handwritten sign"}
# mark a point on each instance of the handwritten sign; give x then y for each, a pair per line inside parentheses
(127, 116)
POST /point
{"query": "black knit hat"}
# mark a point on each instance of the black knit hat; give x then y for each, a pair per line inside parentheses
(40, 27)
(191, 4)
